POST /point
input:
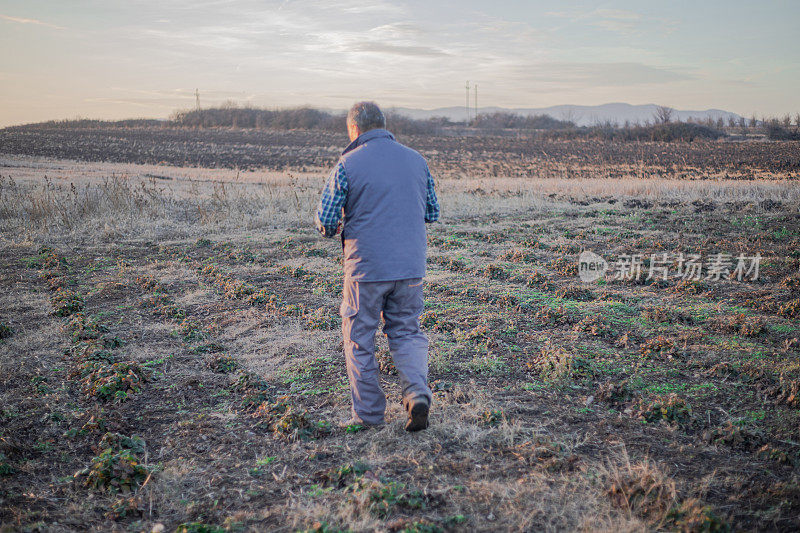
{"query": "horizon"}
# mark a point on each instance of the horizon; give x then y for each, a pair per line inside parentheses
(400, 111)
(111, 61)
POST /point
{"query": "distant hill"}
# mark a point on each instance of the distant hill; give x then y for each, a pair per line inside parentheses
(580, 114)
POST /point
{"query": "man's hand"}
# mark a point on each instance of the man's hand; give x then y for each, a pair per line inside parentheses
(330, 211)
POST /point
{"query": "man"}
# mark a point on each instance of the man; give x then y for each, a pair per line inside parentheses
(379, 196)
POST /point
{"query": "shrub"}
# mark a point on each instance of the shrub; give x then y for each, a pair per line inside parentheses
(614, 393)
(112, 381)
(255, 390)
(537, 279)
(504, 120)
(149, 283)
(117, 467)
(492, 417)
(454, 265)
(126, 507)
(66, 302)
(381, 498)
(343, 475)
(47, 258)
(672, 409)
(320, 318)
(84, 328)
(747, 326)
(776, 132)
(290, 422)
(192, 331)
(772, 453)
(594, 325)
(435, 320)
(680, 131)
(553, 315)
(493, 271)
(223, 364)
(564, 266)
(555, 364)
(733, 435)
(306, 118)
(669, 132)
(659, 346)
(95, 350)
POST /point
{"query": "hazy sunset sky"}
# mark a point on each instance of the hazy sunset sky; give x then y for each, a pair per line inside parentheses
(144, 58)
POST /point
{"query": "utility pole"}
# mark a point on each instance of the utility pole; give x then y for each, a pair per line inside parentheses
(197, 98)
(476, 101)
(466, 107)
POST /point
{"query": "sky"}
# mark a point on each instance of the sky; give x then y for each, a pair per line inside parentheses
(116, 59)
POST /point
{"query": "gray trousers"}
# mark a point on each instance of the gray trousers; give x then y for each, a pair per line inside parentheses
(401, 303)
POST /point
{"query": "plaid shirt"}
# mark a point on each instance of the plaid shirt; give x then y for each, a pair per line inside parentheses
(331, 206)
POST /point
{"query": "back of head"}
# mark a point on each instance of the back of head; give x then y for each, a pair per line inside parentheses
(366, 116)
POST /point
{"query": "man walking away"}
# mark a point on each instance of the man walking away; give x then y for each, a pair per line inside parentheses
(379, 196)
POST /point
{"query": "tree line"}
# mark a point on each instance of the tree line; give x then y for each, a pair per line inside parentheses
(314, 119)
(660, 127)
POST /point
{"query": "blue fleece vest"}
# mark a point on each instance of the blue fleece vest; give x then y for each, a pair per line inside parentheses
(384, 235)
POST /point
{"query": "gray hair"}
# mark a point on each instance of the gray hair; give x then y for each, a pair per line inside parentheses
(366, 116)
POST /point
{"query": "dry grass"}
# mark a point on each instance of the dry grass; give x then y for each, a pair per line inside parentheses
(41, 199)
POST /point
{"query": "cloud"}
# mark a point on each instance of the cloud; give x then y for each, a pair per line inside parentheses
(398, 30)
(21, 20)
(398, 49)
(221, 38)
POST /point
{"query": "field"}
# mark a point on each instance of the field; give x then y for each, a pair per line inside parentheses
(517, 154)
(170, 352)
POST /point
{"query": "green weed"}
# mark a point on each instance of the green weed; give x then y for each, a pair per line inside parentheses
(117, 468)
(672, 409)
(66, 302)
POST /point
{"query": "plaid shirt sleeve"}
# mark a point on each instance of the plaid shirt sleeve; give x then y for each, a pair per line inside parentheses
(431, 202)
(331, 205)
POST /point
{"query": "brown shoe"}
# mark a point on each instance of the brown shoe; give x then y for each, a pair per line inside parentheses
(418, 415)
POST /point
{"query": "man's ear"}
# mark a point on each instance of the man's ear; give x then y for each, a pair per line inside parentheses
(352, 131)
